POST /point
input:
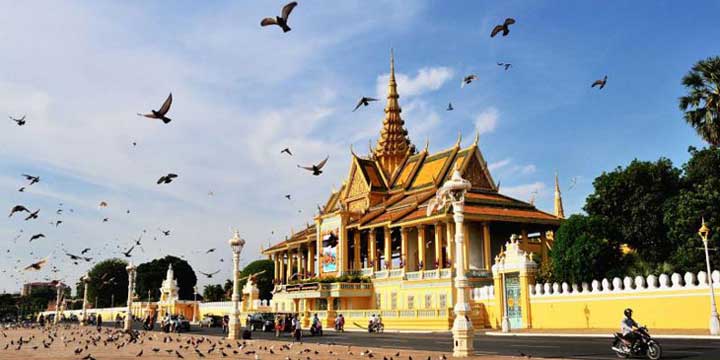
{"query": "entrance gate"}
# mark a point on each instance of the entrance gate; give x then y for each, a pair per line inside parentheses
(512, 294)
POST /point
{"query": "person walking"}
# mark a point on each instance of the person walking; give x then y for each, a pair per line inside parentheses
(225, 324)
(99, 322)
(297, 330)
(340, 323)
(278, 326)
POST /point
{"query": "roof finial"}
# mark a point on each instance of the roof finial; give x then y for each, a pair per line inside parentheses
(477, 139)
(427, 144)
(559, 211)
(392, 64)
(351, 151)
(459, 139)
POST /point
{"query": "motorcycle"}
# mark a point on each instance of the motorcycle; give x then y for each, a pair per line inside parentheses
(644, 346)
(375, 327)
(316, 330)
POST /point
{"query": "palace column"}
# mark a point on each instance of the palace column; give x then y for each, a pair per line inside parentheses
(524, 238)
(487, 256)
(276, 267)
(543, 246)
(438, 246)
(310, 267)
(343, 252)
(421, 247)
(283, 269)
(466, 245)
(449, 237)
(404, 248)
(289, 265)
(372, 249)
(388, 248)
(299, 263)
(357, 264)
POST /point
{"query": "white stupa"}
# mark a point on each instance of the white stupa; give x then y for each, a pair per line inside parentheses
(169, 289)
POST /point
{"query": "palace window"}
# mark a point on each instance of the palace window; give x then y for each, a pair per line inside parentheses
(443, 301)
(321, 304)
(410, 302)
(378, 301)
(428, 301)
(393, 301)
(336, 303)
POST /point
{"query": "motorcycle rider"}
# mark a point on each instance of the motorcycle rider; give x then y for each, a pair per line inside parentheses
(628, 326)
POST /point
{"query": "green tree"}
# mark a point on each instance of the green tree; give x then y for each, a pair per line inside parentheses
(263, 281)
(228, 288)
(213, 293)
(702, 103)
(150, 276)
(584, 250)
(108, 278)
(632, 202)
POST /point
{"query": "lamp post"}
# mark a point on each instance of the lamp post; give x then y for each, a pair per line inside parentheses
(86, 282)
(453, 193)
(704, 232)
(131, 289)
(195, 304)
(58, 287)
(236, 244)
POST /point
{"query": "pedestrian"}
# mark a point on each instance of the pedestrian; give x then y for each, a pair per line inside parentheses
(340, 323)
(225, 324)
(297, 330)
(278, 326)
(41, 320)
(99, 322)
(117, 320)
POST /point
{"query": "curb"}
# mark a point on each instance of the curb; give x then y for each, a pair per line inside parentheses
(600, 336)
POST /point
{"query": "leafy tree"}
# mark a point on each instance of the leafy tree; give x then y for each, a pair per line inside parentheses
(702, 103)
(228, 288)
(264, 281)
(150, 276)
(584, 250)
(108, 278)
(632, 203)
(213, 293)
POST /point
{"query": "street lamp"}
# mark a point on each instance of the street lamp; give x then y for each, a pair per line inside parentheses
(195, 304)
(131, 289)
(453, 193)
(236, 244)
(704, 232)
(86, 282)
(58, 287)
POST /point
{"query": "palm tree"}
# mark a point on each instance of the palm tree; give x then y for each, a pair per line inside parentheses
(702, 104)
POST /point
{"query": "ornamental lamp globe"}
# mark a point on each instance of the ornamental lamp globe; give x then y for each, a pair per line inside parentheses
(704, 231)
(236, 243)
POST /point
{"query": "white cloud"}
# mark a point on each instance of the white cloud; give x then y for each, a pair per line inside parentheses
(527, 169)
(499, 164)
(486, 121)
(427, 79)
(525, 192)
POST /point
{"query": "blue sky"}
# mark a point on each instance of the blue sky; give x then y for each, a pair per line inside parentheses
(81, 70)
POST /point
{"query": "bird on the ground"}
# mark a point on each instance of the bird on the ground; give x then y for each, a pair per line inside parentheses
(167, 179)
(33, 215)
(17, 208)
(288, 196)
(450, 107)
(178, 355)
(210, 250)
(32, 179)
(103, 204)
(22, 189)
(20, 121)
(467, 80)
(36, 236)
(600, 83)
(287, 151)
(282, 20)
(506, 65)
(37, 265)
(127, 253)
(160, 114)
(140, 353)
(316, 169)
(364, 101)
(504, 27)
(210, 275)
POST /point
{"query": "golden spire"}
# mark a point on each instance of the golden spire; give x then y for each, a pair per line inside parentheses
(559, 212)
(393, 144)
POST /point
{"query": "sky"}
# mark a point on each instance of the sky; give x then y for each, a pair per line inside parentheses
(80, 71)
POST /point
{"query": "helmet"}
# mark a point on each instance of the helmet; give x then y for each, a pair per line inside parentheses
(628, 312)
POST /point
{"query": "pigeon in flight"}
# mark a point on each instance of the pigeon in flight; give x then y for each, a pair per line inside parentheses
(160, 114)
(316, 169)
(37, 265)
(600, 83)
(282, 20)
(32, 179)
(166, 179)
(103, 204)
(22, 189)
(127, 253)
(505, 27)
(165, 232)
(85, 250)
(467, 80)
(287, 151)
(450, 107)
(33, 215)
(210, 275)
(20, 121)
(36, 236)
(210, 250)
(364, 101)
(17, 208)
(506, 65)
(288, 196)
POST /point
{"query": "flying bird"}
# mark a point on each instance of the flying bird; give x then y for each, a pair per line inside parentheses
(37, 265)
(36, 236)
(506, 65)
(210, 250)
(103, 204)
(166, 179)
(282, 20)
(450, 107)
(127, 253)
(288, 196)
(57, 223)
(33, 215)
(160, 114)
(210, 275)
(20, 121)
(165, 232)
(505, 27)
(600, 83)
(32, 179)
(467, 80)
(85, 250)
(22, 189)
(17, 208)
(287, 151)
(364, 101)
(316, 169)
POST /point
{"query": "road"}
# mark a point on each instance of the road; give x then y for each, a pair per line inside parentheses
(563, 347)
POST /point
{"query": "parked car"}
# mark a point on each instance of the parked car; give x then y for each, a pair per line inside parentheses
(261, 321)
(211, 321)
(182, 324)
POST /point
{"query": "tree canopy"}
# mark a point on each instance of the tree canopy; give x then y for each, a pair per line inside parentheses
(702, 103)
(264, 281)
(150, 276)
(213, 293)
(108, 278)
